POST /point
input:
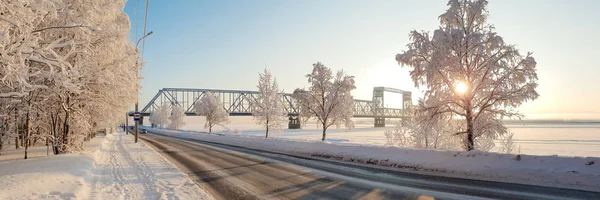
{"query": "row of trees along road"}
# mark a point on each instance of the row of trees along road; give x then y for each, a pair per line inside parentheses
(208, 106)
(67, 70)
(328, 100)
(166, 116)
(472, 80)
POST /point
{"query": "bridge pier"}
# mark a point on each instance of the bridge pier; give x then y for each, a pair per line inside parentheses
(379, 122)
(294, 122)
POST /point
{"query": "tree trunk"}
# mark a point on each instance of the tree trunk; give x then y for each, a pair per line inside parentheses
(54, 126)
(66, 127)
(267, 132)
(470, 141)
(267, 129)
(22, 138)
(27, 132)
(1, 143)
(54, 145)
(36, 139)
(4, 125)
(17, 141)
(324, 132)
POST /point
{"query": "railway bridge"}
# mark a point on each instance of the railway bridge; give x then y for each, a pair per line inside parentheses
(237, 103)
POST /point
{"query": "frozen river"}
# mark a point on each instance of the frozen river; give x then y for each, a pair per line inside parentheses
(541, 139)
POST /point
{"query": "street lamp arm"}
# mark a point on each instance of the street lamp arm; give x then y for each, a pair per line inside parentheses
(138, 42)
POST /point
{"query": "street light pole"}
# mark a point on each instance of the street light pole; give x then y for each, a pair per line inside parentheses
(137, 122)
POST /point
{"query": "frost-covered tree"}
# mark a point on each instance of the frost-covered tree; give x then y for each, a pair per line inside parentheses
(268, 108)
(210, 107)
(423, 132)
(177, 117)
(469, 71)
(65, 70)
(161, 116)
(507, 142)
(328, 99)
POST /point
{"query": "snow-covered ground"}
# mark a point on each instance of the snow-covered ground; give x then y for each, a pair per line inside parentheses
(112, 167)
(568, 172)
(546, 139)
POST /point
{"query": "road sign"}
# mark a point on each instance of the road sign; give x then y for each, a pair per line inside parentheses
(136, 116)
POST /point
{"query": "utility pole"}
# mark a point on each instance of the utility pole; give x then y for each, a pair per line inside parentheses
(138, 118)
(126, 123)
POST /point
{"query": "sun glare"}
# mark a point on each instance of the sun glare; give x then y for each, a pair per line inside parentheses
(461, 87)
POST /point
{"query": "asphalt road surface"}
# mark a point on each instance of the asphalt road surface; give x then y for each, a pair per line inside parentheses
(232, 172)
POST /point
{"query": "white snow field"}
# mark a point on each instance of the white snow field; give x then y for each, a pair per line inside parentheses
(568, 172)
(112, 167)
(546, 139)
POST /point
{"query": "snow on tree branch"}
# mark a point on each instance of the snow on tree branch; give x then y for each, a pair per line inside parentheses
(465, 51)
(328, 99)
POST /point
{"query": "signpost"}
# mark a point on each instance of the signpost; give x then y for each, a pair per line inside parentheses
(136, 116)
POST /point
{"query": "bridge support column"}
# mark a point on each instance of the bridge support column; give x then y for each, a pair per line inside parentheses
(294, 122)
(141, 120)
(379, 122)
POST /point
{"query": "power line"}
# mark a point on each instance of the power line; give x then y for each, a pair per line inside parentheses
(136, 21)
(145, 20)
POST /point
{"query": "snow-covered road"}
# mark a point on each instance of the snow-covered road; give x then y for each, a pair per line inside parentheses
(579, 173)
(236, 172)
(116, 169)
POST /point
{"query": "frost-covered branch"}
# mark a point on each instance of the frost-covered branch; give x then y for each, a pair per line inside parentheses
(65, 27)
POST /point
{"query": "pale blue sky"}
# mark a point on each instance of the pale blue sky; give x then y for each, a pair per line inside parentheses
(225, 44)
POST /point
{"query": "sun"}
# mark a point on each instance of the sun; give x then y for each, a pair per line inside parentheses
(461, 88)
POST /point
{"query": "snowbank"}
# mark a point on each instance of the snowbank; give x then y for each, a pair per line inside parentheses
(569, 172)
(114, 168)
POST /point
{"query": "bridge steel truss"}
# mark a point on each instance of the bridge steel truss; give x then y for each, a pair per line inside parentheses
(237, 103)
(379, 101)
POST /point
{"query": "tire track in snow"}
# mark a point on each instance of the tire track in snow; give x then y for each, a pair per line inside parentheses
(121, 172)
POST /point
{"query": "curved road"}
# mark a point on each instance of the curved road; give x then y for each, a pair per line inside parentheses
(232, 172)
